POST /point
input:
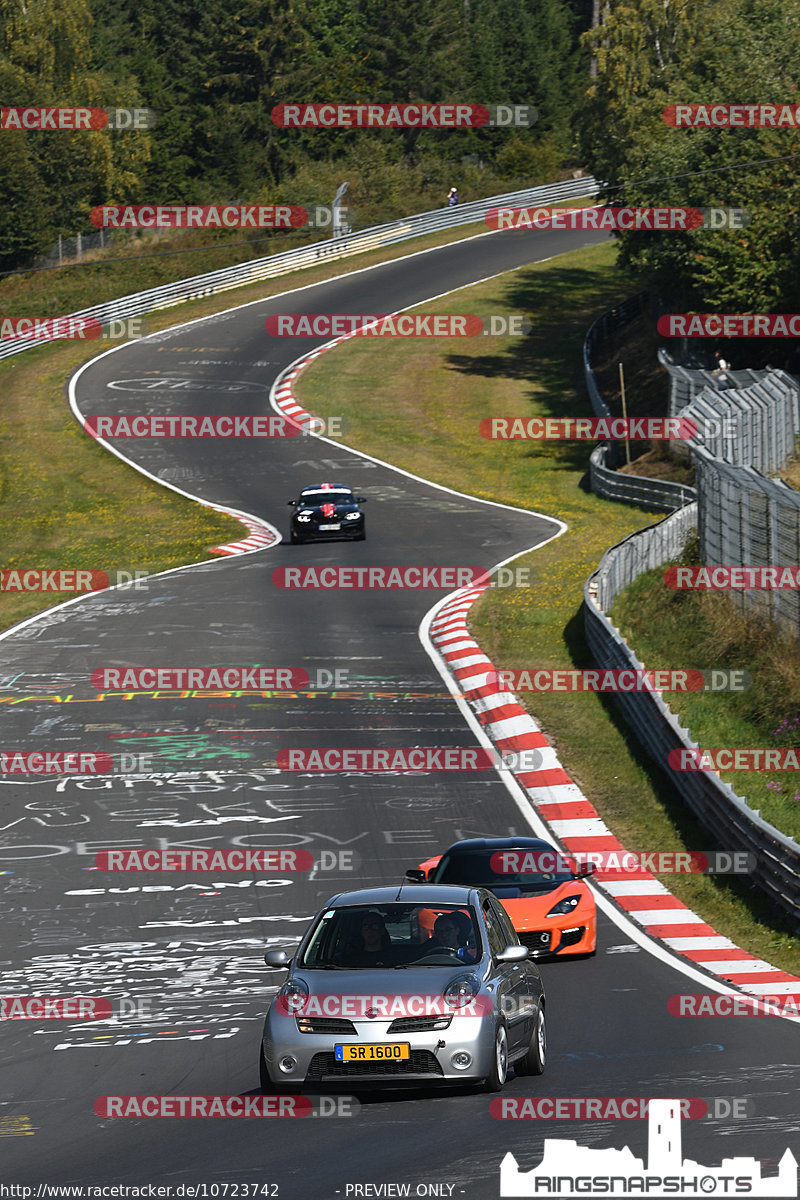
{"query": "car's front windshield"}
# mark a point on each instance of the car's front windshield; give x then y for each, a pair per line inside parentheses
(397, 935)
(317, 499)
(477, 869)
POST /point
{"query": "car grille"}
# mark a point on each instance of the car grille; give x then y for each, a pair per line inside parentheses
(536, 939)
(570, 937)
(419, 1024)
(327, 1025)
(421, 1062)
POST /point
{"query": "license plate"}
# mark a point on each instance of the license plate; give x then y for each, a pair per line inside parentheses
(387, 1052)
(337, 526)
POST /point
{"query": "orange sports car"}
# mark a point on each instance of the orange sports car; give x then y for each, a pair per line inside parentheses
(551, 906)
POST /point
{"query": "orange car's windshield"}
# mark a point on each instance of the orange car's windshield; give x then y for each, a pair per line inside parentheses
(476, 870)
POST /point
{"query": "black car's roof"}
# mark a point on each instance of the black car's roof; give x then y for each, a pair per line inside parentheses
(326, 487)
(407, 893)
(473, 845)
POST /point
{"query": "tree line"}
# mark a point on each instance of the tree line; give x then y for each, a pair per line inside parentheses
(599, 72)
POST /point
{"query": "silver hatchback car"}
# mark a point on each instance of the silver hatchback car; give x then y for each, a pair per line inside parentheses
(416, 984)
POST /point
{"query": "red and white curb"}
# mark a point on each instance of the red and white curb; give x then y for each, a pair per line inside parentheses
(558, 801)
(260, 534)
(576, 824)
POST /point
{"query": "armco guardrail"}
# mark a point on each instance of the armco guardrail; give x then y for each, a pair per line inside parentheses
(726, 816)
(308, 256)
(658, 495)
(653, 494)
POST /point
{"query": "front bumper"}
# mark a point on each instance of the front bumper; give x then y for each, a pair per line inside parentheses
(570, 934)
(430, 1061)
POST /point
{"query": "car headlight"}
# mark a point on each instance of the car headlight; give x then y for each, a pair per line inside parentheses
(292, 997)
(461, 990)
(304, 516)
(564, 906)
(352, 516)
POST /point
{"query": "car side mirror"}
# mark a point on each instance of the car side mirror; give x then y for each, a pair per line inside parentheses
(584, 869)
(417, 875)
(291, 503)
(361, 499)
(512, 954)
(278, 959)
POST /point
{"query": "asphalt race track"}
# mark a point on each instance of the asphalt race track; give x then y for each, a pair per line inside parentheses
(185, 951)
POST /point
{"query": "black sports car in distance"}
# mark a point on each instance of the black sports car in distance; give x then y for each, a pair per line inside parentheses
(327, 510)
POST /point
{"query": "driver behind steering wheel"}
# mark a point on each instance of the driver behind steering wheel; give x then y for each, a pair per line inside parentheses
(447, 935)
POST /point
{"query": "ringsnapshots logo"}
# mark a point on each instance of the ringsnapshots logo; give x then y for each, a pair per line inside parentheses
(613, 680)
(75, 120)
(729, 325)
(437, 325)
(199, 216)
(69, 579)
(732, 116)
(403, 116)
(568, 1169)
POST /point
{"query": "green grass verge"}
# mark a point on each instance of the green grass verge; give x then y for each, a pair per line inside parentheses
(670, 628)
(417, 403)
